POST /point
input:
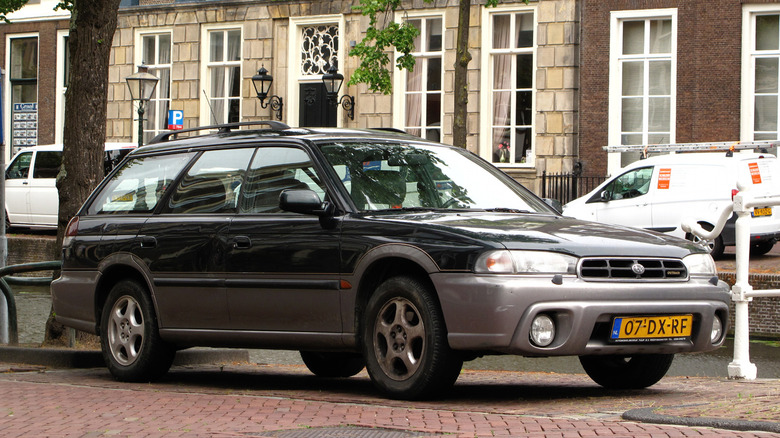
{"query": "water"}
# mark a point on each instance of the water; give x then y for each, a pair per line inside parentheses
(33, 310)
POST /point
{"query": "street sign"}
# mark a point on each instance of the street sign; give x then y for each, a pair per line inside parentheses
(175, 119)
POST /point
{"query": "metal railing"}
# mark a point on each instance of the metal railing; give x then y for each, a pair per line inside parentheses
(742, 292)
(565, 187)
(11, 330)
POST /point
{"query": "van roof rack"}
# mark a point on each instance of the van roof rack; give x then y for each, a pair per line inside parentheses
(223, 128)
(694, 147)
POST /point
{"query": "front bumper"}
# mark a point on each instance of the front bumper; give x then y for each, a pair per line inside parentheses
(493, 313)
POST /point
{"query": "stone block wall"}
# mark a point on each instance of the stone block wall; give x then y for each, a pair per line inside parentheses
(265, 27)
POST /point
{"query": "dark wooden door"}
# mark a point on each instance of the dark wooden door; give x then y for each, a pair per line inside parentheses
(315, 109)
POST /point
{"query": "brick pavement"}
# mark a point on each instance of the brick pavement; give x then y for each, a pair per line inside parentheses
(265, 400)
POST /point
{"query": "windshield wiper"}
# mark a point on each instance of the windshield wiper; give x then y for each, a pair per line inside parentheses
(508, 210)
(383, 210)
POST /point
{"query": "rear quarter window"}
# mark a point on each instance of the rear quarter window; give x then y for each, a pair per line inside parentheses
(139, 185)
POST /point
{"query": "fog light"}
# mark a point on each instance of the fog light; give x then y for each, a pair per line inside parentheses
(717, 329)
(542, 331)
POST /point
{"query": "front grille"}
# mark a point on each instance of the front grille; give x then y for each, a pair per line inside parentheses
(632, 269)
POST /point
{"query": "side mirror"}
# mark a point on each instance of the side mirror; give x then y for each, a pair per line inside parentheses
(606, 196)
(304, 201)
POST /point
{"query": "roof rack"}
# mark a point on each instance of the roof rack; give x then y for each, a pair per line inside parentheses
(693, 147)
(223, 128)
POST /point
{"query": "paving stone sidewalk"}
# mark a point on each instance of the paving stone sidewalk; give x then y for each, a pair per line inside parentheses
(287, 401)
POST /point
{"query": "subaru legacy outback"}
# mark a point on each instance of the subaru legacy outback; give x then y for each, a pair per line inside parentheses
(369, 248)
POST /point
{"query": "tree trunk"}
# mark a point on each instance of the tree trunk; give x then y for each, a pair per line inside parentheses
(92, 26)
(462, 59)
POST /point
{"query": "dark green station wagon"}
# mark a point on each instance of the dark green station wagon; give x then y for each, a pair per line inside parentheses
(368, 248)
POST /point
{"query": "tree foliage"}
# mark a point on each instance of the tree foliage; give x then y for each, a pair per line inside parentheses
(8, 6)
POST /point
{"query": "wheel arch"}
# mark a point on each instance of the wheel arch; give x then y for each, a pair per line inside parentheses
(386, 262)
(123, 267)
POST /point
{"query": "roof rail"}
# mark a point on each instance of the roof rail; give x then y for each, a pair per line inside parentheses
(223, 128)
(692, 147)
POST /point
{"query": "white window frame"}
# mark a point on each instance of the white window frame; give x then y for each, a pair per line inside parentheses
(616, 78)
(205, 109)
(294, 76)
(486, 83)
(748, 80)
(400, 76)
(60, 88)
(155, 100)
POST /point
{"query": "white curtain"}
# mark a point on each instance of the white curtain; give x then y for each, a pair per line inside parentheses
(414, 98)
(502, 77)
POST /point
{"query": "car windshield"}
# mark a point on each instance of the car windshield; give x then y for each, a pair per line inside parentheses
(381, 176)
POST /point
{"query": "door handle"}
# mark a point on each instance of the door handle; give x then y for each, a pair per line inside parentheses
(242, 242)
(148, 242)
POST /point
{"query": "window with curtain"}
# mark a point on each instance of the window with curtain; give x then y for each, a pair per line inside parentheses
(156, 54)
(423, 94)
(511, 100)
(765, 53)
(646, 88)
(23, 76)
(223, 81)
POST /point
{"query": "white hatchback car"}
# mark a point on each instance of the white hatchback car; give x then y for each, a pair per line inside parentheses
(31, 198)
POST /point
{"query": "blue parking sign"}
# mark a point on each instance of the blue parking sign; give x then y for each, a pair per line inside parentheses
(175, 119)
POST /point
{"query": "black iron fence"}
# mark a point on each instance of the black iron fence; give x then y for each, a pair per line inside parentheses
(565, 187)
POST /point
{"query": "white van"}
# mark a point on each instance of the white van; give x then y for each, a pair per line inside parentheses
(31, 198)
(657, 193)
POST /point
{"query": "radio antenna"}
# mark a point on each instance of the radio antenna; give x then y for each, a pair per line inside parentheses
(208, 102)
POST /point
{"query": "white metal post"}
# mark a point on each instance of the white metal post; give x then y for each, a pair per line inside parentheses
(741, 367)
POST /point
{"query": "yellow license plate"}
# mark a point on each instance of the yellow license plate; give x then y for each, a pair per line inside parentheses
(767, 211)
(651, 328)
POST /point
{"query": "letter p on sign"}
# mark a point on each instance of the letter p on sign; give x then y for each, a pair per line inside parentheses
(175, 119)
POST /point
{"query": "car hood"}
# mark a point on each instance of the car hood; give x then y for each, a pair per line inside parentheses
(547, 232)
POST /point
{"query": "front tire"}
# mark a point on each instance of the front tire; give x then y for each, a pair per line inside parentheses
(329, 364)
(129, 337)
(627, 372)
(715, 246)
(405, 341)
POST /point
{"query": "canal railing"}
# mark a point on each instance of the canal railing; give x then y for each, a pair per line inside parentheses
(9, 332)
(742, 293)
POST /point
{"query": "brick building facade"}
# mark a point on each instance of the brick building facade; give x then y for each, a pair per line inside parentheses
(711, 44)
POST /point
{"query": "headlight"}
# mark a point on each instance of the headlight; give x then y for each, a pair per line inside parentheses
(700, 264)
(525, 262)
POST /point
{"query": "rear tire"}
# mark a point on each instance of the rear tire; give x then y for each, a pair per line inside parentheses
(627, 372)
(329, 364)
(405, 341)
(129, 335)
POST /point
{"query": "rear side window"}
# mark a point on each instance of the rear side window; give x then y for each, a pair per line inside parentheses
(20, 167)
(138, 186)
(47, 164)
(212, 184)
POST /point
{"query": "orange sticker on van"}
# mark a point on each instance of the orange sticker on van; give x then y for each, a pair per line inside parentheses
(664, 176)
(755, 173)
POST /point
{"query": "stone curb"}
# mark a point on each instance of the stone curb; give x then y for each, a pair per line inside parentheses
(66, 358)
(648, 415)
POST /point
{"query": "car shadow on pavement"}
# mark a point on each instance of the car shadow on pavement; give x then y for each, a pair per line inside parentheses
(488, 391)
